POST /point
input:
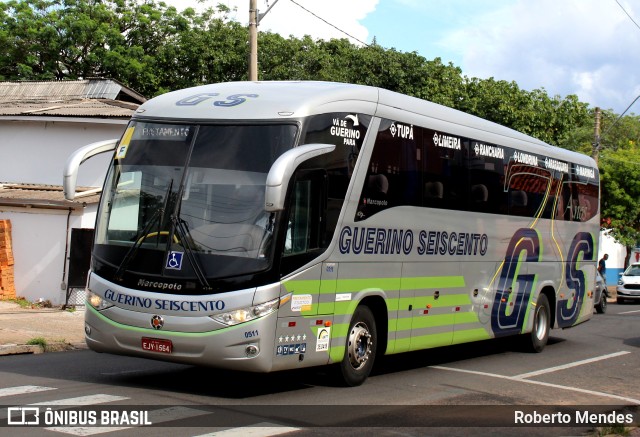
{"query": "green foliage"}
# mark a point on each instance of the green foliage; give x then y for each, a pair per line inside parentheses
(148, 46)
(153, 48)
(38, 341)
(620, 166)
(22, 302)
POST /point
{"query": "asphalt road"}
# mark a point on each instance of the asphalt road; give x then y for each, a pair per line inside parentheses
(461, 390)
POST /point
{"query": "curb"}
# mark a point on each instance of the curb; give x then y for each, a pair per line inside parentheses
(22, 349)
(19, 349)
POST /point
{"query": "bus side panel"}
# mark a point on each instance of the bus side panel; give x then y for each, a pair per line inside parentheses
(473, 320)
(359, 281)
(301, 337)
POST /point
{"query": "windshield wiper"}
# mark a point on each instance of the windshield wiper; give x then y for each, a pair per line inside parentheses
(182, 229)
(180, 226)
(140, 236)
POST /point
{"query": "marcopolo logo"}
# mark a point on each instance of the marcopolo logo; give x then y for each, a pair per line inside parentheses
(159, 285)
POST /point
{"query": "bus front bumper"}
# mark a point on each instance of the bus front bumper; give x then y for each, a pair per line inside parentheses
(246, 347)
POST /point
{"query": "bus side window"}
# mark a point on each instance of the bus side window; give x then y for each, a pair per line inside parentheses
(299, 223)
(306, 221)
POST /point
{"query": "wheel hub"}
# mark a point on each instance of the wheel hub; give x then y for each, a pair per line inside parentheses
(359, 347)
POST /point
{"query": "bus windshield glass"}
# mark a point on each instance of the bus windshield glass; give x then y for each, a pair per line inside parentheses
(180, 199)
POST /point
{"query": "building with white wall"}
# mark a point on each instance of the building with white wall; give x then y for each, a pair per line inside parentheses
(41, 124)
(617, 256)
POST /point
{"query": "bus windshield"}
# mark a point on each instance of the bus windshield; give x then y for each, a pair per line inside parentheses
(182, 199)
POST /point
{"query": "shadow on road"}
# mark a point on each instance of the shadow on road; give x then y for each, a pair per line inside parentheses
(90, 367)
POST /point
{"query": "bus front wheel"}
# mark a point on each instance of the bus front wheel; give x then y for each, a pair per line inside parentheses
(361, 347)
(537, 339)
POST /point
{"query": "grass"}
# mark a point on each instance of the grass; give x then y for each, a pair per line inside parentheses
(38, 341)
(24, 303)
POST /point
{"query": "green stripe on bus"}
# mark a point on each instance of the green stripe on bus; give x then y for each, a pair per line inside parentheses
(433, 320)
(336, 354)
(420, 342)
(304, 286)
(355, 285)
(468, 335)
(151, 331)
(339, 330)
(447, 300)
(432, 282)
(466, 317)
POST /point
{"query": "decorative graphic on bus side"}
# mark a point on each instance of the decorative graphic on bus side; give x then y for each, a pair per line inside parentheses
(514, 289)
(582, 249)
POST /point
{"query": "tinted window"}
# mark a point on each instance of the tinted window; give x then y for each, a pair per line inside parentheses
(347, 131)
(527, 189)
(415, 166)
(486, 166)
(444, 172)
(394, 173)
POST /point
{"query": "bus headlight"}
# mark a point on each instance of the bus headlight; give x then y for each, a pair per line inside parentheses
(98, 302)
(247, 314)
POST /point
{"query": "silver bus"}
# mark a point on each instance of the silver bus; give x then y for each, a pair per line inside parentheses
(263, 226)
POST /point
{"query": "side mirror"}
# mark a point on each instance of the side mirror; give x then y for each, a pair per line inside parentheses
(282, 170)
(70, 174)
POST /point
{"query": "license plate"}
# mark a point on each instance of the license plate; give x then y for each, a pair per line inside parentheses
(157, 345)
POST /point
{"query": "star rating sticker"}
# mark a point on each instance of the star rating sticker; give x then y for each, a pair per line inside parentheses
(304, 336)
(299, 337)
(286, 338)
(280, 339)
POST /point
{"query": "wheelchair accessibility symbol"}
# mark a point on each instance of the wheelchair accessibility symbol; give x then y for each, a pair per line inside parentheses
(174, 261)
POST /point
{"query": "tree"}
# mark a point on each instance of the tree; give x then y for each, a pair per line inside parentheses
(620, 186)
(148, 46)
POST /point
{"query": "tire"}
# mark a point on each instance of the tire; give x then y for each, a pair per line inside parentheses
(537, 339)
(601, 307)
(361, 347)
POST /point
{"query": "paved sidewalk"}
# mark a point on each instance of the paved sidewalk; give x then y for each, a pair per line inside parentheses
(60, 330)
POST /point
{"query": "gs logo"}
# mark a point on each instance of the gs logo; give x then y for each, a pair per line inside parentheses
(232, 100)
(514, 287)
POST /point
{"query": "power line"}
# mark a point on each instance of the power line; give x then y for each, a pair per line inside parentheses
(325, 21)
(621, 115)
(630, 17)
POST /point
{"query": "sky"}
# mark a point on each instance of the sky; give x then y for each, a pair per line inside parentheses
(590, 48)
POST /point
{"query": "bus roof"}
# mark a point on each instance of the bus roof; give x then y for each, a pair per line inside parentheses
(282, 100)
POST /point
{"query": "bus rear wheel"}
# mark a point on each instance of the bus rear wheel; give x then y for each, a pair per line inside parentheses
(361, 347)
(601, 307)
(539, 335)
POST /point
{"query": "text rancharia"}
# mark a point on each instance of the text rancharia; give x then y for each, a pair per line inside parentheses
(489, 150)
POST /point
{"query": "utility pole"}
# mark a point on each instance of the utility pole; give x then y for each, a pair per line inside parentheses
(254, 20)
(253, 40)
(596, 137)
